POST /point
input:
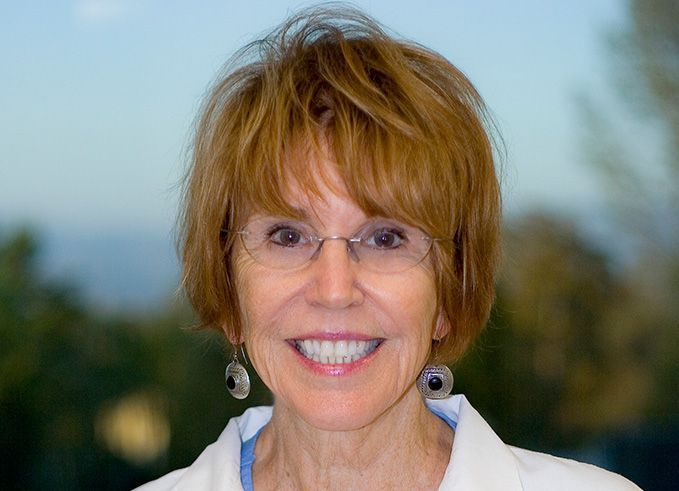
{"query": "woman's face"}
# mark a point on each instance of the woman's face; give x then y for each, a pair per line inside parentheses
(380, 324)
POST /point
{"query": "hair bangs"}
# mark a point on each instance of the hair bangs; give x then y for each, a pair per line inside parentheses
(403, 129)
(391, 174)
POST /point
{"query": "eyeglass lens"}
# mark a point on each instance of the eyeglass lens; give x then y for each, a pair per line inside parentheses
(380, 245)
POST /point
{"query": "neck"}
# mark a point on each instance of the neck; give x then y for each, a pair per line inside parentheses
(406, 447)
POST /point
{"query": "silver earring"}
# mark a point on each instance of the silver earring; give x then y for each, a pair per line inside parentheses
(237, 378)
(435, 381)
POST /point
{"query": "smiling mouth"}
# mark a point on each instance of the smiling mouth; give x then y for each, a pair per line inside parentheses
(335, 352)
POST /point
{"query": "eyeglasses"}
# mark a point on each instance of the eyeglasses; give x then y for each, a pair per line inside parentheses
(381, 245)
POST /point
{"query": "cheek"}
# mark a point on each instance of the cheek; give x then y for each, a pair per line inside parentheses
(243, 288)
(252, 310)
(256, 295)
(260, 300)
(261, 296)
(410, 301)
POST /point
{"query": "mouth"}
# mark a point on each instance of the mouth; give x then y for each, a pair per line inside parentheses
(336, 352)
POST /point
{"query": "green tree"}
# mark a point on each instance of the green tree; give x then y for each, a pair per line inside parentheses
(94, 401)
(632, 143)
(57, 364)
(549, 370)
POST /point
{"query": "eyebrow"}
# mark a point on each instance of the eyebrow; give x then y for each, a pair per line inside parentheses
(301, 213)
(297, 214)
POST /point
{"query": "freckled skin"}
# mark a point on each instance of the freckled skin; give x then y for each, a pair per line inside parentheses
(334, 293)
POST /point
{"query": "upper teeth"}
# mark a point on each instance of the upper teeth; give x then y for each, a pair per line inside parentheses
(342, 351)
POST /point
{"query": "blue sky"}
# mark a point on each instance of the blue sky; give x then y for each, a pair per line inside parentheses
(97, 96)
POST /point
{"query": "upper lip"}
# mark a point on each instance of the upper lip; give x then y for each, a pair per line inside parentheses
(335, 336)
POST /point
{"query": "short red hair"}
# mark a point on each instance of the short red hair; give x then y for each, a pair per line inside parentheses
(407, 130)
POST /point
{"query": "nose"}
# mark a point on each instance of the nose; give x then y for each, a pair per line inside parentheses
(334, 284)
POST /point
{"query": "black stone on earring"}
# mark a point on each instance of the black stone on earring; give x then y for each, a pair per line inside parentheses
(435, 381)
(237, 378)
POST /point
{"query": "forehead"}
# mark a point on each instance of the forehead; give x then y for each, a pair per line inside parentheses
(326, 203)
(320, 189)
(307, 178)
(309, 184)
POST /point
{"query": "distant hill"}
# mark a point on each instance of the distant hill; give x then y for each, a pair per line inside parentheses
(113, 271)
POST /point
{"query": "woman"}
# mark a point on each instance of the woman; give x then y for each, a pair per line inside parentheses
(341, 224)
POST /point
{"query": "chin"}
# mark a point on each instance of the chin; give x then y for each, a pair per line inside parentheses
(337, 412)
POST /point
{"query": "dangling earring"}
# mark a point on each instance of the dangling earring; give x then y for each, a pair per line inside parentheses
(237, 379)
(435, 381)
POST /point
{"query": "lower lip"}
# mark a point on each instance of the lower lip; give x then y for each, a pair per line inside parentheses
(335, 369)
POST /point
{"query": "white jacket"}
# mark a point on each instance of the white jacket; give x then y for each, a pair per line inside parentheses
(479, 460)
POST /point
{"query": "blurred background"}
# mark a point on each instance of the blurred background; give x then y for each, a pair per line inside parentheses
(103, 385)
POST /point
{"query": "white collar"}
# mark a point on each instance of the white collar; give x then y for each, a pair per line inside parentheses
(480, 459)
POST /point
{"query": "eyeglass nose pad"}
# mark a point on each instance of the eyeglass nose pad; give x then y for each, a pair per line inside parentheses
(351, 251)
(350, 248)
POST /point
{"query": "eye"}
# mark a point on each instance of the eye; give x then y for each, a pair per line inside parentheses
(286, 236)
(385, 238)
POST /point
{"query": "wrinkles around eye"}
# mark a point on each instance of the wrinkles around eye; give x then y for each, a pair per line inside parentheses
(287, 235)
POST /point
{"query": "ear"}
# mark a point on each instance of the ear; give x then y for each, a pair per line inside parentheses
(442, 327)
(232, 337)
